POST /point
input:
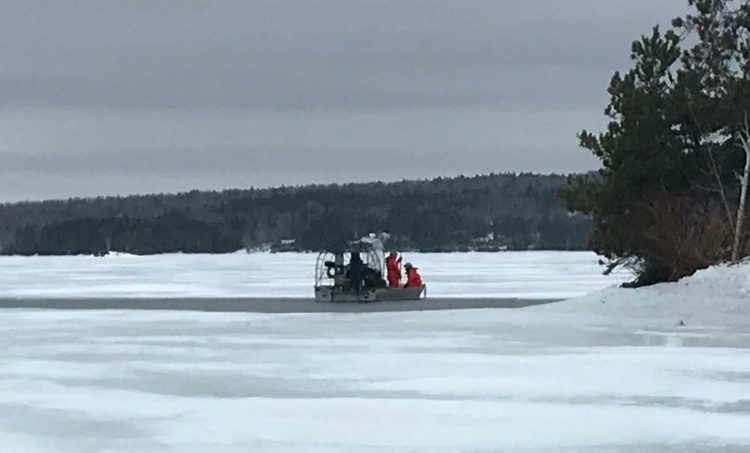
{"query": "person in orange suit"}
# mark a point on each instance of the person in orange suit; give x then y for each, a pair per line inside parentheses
(393, 272)
(413, 279)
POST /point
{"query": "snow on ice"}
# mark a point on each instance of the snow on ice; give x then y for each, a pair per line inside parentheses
(535, 275)
(665, 368)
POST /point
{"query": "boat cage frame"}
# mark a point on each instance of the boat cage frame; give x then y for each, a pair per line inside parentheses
(333, 261)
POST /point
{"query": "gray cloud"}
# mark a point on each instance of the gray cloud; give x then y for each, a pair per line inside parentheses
(300, 91)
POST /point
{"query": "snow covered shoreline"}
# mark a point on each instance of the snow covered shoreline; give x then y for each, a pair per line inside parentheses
(719, 295)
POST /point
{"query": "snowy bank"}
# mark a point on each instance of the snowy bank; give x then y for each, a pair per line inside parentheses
(713, 297)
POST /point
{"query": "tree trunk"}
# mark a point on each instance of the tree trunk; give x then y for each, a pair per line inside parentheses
(745, 139)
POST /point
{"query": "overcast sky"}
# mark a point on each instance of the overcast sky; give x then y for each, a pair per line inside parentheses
(118, 97)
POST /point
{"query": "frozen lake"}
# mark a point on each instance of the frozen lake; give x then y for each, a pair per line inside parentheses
(532, 379)
(530, 275)
(616, 371)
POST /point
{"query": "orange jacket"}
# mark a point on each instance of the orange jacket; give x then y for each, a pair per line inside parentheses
(393, 273)
(413, 279)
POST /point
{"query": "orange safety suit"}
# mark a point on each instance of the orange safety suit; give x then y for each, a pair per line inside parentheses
(413, 279)
(393, 273)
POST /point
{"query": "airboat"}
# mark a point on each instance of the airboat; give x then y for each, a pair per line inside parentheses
(365, 257)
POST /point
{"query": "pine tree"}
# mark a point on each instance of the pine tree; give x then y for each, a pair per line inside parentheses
(670, 152)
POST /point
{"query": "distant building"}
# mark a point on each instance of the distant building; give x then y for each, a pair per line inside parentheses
(489, 243)
(285, 245)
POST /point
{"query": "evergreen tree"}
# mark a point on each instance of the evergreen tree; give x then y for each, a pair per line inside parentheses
(670, 150)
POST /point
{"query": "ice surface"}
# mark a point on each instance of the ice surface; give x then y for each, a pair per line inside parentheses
(613, 371)
(536, 275)
(434, 381)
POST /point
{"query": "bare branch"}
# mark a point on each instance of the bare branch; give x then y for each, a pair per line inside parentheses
(720, 184)
(714, 168)
(707, 188)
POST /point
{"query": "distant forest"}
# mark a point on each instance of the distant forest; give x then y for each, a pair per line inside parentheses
(492, 212)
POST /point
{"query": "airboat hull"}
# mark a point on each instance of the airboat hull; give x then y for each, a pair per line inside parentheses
(336, 294)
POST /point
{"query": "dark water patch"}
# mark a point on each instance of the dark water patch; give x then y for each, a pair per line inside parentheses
(266, 305)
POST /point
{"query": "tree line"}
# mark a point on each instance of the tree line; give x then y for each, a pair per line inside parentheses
(489, 212)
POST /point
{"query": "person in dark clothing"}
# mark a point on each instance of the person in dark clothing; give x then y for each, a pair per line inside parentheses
(355, 272)
(372, 278)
